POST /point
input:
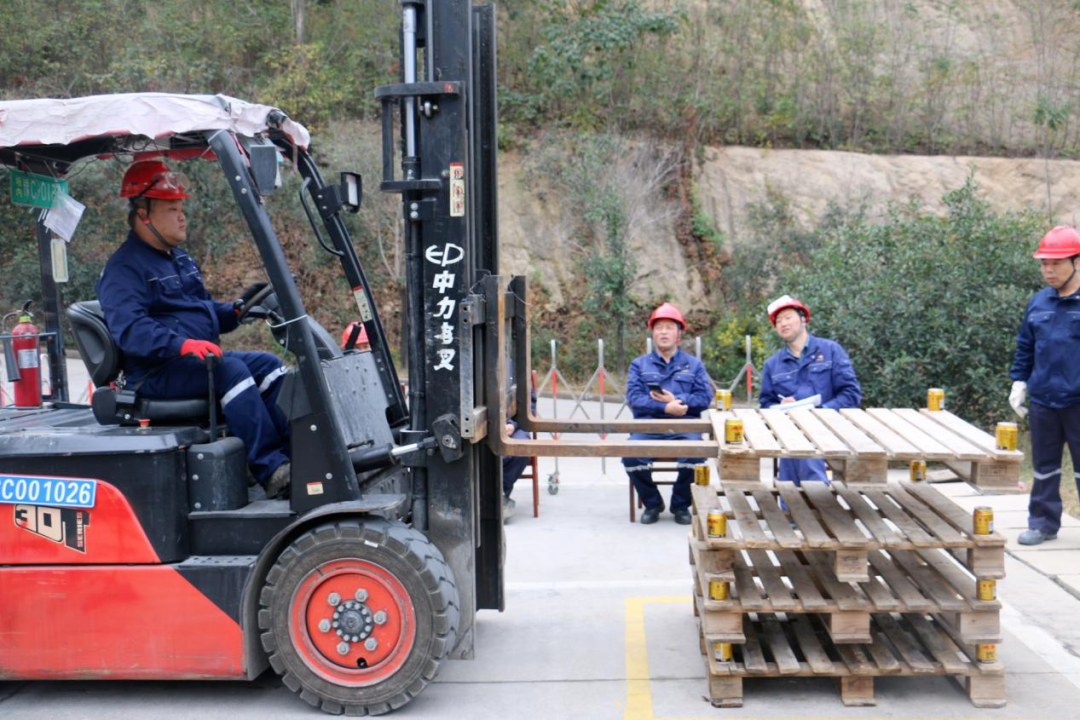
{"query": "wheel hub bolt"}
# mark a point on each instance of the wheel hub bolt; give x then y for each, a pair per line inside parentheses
(361, 595)
(324, 625)
(370, 644)
(343, 648)
(380, 617)
(334, 599)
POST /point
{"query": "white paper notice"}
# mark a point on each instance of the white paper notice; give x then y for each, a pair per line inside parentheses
(64, 215)
(812, 401)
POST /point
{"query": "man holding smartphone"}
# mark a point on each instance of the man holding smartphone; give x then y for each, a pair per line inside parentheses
(666, 383)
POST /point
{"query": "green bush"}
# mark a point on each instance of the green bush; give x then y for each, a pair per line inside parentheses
(723, 346)
(920, 300)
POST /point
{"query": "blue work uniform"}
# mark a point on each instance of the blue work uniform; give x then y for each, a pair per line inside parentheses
(823, 369)
(153, 301)
(513, 466)
(1047, 348)
(684, 377)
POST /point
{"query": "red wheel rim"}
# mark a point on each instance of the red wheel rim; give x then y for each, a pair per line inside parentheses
(311, 611)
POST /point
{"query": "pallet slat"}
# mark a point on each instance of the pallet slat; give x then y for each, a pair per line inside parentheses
(961, 448)
(971, 433)
(819, 433)
(953, 514)
(897, 447)
(836, 518)
(860, 443)
(757, 433)
(929, 519)
(795, 443)
(804, 517)
(749, 526)
(927, 446)
(779, 524)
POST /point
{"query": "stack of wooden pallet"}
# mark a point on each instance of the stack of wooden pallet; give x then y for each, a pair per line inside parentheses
(849, 582)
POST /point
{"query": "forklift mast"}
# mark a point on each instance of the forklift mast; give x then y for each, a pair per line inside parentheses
(446, 105)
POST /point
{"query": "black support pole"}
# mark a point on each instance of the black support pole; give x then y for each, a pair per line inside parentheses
(50, 309)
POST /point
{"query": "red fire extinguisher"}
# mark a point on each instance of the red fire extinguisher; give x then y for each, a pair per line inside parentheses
(27, 347)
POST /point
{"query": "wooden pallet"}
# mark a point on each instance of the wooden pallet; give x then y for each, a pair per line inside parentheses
(798, 582)
(901, 645)
(847, 522)
(860, 444)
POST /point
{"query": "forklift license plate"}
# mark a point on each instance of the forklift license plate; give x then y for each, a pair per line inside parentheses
(53, 491)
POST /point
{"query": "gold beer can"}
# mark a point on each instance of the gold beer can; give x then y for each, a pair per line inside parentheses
(987, 590)
(733, 431)
(1006, 435)
(984, 520)
(918, 470)
(723, 652)
(935, 399)
(984, 652)
(723, 399)
(701, 474)
(717, 523)
(718, 589)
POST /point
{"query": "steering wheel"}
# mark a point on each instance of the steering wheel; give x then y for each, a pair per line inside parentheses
(253, 308)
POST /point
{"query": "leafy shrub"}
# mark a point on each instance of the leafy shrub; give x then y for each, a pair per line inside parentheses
(923, 301)
(723, 346)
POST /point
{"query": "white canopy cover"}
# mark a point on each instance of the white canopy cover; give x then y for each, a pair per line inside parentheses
(153, 115)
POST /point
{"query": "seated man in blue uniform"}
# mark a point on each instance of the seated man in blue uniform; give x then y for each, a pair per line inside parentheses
(666, 383)
(806, 367)
(513, 467)
(165, 324)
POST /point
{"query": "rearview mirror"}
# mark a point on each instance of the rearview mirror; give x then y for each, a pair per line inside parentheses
(264, 167)
(352, 191)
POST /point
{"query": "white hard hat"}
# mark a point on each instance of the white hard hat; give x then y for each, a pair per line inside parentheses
(782, 303)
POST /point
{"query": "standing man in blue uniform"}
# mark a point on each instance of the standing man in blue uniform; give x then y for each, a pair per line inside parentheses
(1046, 366)
(807, 366)
(165, 324)
(666, 383)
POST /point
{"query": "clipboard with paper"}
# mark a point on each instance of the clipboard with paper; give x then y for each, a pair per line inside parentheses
(812, 401)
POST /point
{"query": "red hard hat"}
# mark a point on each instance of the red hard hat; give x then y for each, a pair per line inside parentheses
(1061, 242)
(361, 338)
(783, 303)
(667, 311)
(153, 179)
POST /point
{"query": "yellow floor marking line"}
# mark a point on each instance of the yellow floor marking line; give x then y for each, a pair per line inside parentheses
(638, 690)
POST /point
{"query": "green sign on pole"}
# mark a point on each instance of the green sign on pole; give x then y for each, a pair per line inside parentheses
(34, 190)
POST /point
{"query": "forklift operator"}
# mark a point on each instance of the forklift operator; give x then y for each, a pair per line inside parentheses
(166, 324)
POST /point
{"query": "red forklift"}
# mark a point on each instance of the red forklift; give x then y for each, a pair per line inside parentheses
(129, 548)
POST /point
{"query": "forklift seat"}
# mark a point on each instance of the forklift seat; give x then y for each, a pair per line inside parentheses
(103, 361)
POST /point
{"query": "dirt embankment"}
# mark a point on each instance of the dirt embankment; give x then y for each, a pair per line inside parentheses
(731, 178)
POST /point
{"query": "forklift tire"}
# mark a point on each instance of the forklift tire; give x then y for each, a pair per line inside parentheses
(357, 615)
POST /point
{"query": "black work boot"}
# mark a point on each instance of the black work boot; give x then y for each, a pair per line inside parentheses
(651, 514)
(277, 486)
(682, 517)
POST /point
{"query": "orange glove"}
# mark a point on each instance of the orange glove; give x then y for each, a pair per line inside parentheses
(199, 348)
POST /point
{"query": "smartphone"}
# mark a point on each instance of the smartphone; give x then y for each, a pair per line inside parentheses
(654, 387)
